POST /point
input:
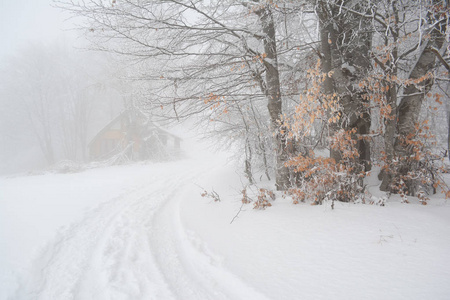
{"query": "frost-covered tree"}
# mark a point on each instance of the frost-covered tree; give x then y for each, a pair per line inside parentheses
(378, 61)
(203, 56)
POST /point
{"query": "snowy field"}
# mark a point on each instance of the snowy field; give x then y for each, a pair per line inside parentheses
(142, 231)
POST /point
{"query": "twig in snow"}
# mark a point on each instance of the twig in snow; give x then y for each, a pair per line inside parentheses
(237, 215)
(213, 194)
(398, 232)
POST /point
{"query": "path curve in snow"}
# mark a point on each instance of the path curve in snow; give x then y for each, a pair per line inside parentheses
(134, 247)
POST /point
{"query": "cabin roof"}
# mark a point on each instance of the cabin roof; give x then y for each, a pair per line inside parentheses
(120, 117)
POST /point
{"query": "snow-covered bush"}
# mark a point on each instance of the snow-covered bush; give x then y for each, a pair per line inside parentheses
(67, 166)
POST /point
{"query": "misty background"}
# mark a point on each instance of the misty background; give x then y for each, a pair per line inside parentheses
(55, 94)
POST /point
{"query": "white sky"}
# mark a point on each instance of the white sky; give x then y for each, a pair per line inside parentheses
(23, 21)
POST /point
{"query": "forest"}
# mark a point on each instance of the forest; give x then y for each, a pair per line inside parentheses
(312, 94)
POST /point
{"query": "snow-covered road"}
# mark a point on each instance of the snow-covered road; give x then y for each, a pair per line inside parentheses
(142, 231)
(107, 255)
(133, 247)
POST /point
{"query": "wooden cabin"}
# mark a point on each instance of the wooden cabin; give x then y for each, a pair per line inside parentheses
(133, 136)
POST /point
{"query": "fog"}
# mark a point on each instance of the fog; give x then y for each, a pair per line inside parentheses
(22, 22)
(29, 30)
(56, 94)
(54, 97)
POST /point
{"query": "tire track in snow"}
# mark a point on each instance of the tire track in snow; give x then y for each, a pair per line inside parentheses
(62, 271)
(122, 266)
(202, 275)
(134, 247)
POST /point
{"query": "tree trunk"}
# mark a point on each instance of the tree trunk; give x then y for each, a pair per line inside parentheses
(410, 105)
(409, 108)
(248, 162)
(327, 36)
(349, 63)
(389, 137)
(448, 129)
(391, 99)
(274, 95)
(414, 94)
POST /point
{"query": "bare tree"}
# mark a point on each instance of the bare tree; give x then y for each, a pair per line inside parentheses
(55, 97)
(202, 56)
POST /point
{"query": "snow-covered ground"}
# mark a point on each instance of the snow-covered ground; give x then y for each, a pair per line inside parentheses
(142, 231)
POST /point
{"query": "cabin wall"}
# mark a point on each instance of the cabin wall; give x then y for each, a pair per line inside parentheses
(159, 145)
(105, 144)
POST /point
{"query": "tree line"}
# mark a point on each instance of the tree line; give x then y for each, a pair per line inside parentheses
(315, 93)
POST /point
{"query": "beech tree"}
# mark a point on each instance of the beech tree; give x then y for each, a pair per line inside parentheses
(346, 40)
(372, 56)
(422, 80)
(407, 38)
